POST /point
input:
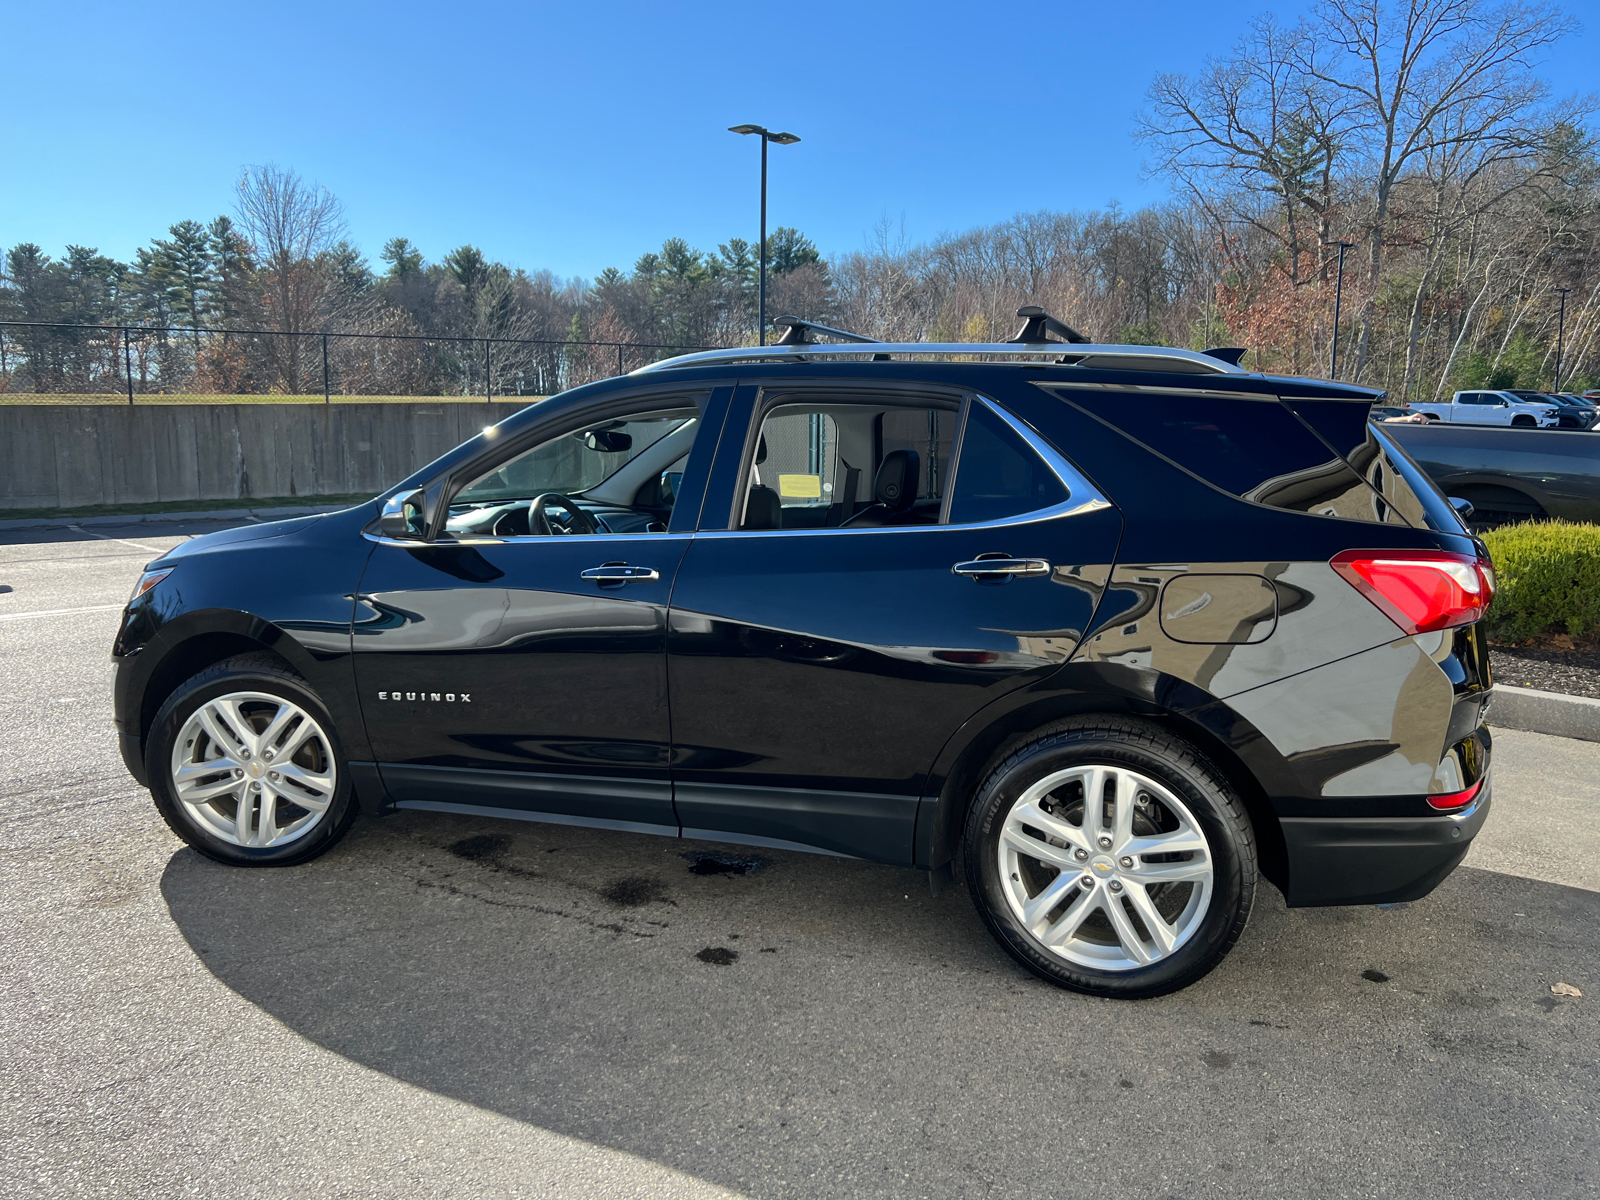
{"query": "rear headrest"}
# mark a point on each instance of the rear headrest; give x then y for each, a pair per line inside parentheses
(763, 510)
(895, 485)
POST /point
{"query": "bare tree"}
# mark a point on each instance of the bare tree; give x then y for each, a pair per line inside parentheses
(290, 224)
(1421, 77)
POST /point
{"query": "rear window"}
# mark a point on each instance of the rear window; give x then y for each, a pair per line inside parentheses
(1256, 449)
(1390, 469)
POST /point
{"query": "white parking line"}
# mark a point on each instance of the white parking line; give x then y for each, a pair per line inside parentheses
(106, 537)
(60, 612)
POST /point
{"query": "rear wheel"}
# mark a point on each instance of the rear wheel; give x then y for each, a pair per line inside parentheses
(245, 766)
(1109, 857)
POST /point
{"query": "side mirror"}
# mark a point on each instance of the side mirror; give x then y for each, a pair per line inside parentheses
(608, 441)
(667, 490)
(1463, 507)
(402, 517)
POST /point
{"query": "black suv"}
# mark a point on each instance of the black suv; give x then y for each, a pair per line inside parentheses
(1572, 412)
(1114, 628)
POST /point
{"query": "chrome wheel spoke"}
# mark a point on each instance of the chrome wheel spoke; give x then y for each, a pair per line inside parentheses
(1122, 815)
(1181, 842)
(266, 816)
(203, 793)
(1029, 813)
(226, 784)
(1079, 911)
(1150, 874)
(1127, 936)
(221, 736)
(1162, 935)
(1036, 909)
(314, 792)
(276, 727)
(1043, 851)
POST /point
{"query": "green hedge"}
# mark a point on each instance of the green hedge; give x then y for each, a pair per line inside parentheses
(1548, 573)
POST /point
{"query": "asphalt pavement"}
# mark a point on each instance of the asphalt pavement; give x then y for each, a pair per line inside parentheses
(461, 1007)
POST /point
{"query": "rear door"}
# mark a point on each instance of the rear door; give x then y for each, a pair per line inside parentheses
(842, 613)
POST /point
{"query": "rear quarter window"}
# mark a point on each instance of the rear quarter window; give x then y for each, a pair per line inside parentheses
(1256, 449)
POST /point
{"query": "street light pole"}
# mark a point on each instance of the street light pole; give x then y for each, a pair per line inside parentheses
(783, 139)
(1338, 299)
(1561, 333)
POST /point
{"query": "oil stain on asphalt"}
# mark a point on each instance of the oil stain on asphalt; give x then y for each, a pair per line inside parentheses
(718, 956)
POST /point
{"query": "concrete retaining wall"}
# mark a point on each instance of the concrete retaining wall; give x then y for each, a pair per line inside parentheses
(69, 456)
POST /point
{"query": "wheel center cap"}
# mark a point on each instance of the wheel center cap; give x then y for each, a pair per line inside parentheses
(256, 769)
(1103, 867)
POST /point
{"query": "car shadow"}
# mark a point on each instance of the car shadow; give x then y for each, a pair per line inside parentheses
(792, 1024)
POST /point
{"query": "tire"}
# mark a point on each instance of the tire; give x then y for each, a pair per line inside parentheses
(1523, 422)
(213, 746)
(1031, 892)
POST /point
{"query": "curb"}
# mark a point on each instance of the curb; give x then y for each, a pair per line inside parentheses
(214, 514)
(1545, 712)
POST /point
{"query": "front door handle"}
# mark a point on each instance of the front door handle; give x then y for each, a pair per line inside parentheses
(1001, 568)
(613, 573)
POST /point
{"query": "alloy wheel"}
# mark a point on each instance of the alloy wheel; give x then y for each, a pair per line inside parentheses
(1105, 867)
(253, 769)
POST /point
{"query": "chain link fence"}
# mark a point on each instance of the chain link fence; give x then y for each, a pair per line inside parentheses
(43, 363)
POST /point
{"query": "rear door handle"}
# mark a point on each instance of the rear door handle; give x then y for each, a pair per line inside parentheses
(620, 573)
(1001, 568)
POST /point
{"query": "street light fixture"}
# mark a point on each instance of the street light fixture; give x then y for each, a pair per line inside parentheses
(1338, 299)
(782, 139)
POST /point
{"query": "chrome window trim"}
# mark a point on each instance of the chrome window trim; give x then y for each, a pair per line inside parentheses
(642, 538)
(1082, 496)
(867, 352)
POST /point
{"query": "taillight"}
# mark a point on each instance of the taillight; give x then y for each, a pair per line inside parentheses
(1451, 801)
(1421, 590)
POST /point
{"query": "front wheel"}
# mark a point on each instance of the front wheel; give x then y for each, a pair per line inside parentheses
(1111, 858)
(245, 765)
(1523, 422)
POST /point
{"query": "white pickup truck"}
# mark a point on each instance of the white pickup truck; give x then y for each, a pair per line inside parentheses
(1490, 408)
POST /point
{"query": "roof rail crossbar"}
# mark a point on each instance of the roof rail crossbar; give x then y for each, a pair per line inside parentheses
(1041, 324)
(798, 332)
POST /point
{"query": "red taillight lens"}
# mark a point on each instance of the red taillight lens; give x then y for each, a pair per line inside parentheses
(1421, 590)
(1454, 800)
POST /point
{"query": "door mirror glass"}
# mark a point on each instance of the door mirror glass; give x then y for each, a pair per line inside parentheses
(402, 517)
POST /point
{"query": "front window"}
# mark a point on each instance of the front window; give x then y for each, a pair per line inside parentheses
(613, 476)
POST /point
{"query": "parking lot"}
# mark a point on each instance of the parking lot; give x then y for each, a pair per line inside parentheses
(448, 1006)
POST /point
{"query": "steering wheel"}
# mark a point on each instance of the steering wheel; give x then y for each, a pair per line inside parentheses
(539, 520)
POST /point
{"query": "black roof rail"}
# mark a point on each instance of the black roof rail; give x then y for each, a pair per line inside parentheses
(797, 332)
(1040, 325)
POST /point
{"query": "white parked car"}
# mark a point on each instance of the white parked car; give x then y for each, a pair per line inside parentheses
(1490, 408)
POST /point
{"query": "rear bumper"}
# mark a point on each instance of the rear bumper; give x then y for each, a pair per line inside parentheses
(1376, 860)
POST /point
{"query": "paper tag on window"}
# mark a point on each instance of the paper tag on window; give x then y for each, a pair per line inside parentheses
(800, 487)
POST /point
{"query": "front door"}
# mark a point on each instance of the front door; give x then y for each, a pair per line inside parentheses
(843, 625)
(519, 662)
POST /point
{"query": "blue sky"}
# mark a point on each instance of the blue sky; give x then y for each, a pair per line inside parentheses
(576, 136)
